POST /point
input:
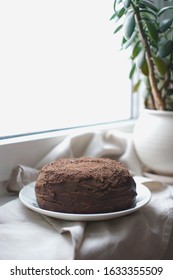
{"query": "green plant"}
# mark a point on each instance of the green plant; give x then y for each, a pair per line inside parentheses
(148, 30)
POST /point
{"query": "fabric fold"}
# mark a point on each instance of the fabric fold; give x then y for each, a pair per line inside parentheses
(20, 176)
(26, 235)
(75, 229)
(112, 144)
(144, 234)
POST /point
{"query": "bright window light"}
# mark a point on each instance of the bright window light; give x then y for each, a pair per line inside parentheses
(60, 65)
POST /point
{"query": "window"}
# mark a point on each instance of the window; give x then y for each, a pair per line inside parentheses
(60, 66)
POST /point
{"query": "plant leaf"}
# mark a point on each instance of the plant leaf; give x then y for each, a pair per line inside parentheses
(126, 43)
(149, 5)
(132, 71)
(140, 59)
(121, 12)
(160, 64)
(136, 50)
(169, 102)
(170, 91)
(115, 1)
(164, 10)
(113, 16)
(165, 25)
(118, 28)
(149, 12)
(136, 86)
(165, 49)
(126, 3)
(129, 26)
(152, 30)
(144, 68)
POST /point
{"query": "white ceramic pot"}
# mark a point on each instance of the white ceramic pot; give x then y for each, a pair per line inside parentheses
(153, 141)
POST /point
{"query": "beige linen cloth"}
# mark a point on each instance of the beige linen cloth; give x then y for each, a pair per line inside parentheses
(144, 234)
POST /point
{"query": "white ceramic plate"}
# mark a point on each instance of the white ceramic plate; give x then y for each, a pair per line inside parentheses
(28, 198)
(160, 178)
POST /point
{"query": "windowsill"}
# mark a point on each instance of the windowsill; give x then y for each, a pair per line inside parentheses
(27, 150)
(125, 126)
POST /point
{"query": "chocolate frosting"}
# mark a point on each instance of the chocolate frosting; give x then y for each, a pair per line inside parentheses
(85, 185)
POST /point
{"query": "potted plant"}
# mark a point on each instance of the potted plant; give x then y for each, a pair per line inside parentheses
(148, 31)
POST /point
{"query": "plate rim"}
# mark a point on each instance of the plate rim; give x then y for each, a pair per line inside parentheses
(84, 217)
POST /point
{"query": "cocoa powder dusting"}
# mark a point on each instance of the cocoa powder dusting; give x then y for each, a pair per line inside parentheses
(78, 169)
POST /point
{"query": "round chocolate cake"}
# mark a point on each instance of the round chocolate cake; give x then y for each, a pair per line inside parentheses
(85, 186)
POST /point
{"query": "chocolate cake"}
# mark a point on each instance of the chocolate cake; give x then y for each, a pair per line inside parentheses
(85, 185)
